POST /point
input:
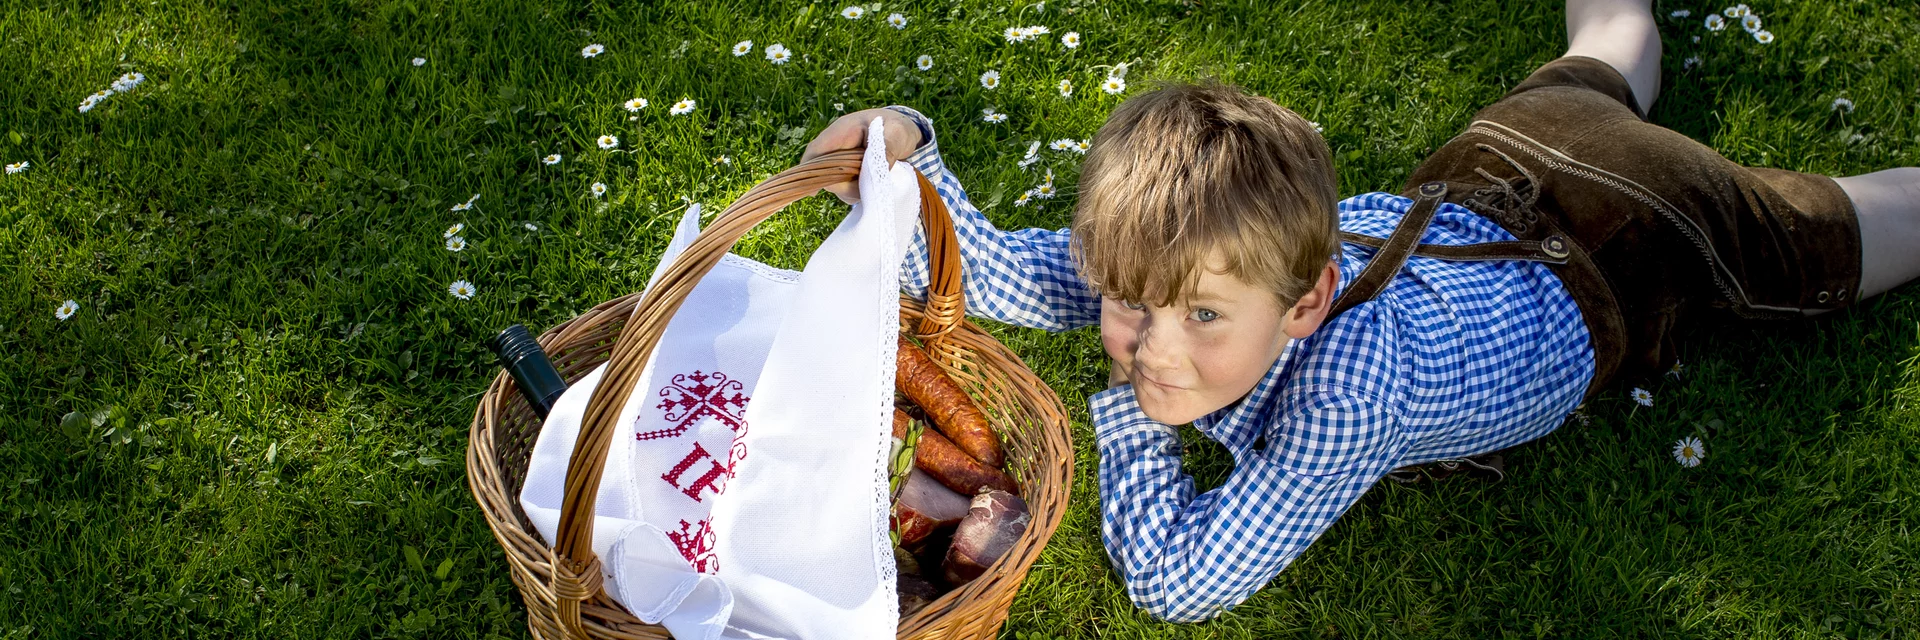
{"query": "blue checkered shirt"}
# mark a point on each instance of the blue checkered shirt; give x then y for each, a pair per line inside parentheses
(1451, 359)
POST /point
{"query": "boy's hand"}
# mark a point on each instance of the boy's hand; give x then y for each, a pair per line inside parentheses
(850, 132)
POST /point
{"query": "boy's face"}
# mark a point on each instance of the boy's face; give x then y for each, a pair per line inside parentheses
(1208, 350)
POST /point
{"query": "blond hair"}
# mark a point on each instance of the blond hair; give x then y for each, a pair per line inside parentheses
(1187, 170)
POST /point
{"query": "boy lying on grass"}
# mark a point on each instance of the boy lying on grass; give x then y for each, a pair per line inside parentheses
(1556, 245)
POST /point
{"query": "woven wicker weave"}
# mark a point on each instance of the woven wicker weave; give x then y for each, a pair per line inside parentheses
(561, 586)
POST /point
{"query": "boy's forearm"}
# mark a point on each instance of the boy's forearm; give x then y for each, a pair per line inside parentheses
(1025, 278)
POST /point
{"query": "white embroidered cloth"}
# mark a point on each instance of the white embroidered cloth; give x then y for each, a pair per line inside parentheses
(746, 497)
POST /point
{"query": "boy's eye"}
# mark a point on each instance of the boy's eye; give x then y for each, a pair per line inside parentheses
(1205, 315)
(1136, 306)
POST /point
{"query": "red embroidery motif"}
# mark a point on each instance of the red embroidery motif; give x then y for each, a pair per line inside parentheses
(687, 400)
(714, 477)
(696, 545)
(692, 396)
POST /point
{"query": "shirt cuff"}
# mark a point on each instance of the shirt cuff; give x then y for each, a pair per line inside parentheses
(1116, 413)
(926, 158)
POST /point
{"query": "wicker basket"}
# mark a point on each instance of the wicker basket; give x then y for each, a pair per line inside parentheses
(562, 585)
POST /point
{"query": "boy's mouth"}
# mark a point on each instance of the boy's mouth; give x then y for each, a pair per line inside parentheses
(1164, 386)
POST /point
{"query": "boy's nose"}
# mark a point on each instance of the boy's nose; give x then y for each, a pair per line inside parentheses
(1158, 350)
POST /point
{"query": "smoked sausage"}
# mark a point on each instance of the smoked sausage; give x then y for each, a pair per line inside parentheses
(953, 413)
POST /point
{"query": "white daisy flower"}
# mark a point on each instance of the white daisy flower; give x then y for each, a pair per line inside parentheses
(531, 227)
(1043, 192)
(419, 62)
(103, 94)
(989, 115)
(897, 21)
(461, 289)
(1642, 396)
(839, 106)
(1689, 451)
(1690, 62)
(723, 160)
(1062, 144)
(1036, 31)
(598, 189)
(990, 80)
(1750, 22)
(1763, 37)
(129, 81)
(852, 13)
(1070, 40)
(592, 50)
(1023, 199)
(456, 243)
(1842, 105)
(17, 167)
(1081, 147)
(87, 104)
(1696, 39)
(742, 47)
(683, 107)
(454, 230)
(1014, 34)
(1683, 13)
(1737, 11)
(551, 160)
(635, 104)
(608, 142)
(66, 310)
(1066, 88)
(1716, 23)
(924, 62)
(1676, 369)
(1114, 85)
(1316, 127)
(466, 205)
(1033, 154)
(778, 53)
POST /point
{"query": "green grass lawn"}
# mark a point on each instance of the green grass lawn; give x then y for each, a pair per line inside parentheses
(254, 424)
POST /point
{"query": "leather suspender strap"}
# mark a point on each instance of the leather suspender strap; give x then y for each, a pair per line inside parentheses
(1394, 252)
(1529, 250)
(1405, 242)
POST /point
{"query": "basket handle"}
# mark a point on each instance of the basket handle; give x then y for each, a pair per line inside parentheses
(576, 572)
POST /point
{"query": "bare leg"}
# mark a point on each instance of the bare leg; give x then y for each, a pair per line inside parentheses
(1888, 203)
(1622, 34)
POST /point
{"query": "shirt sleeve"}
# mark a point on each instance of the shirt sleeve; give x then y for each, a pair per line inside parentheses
(1187, 558)
(1025, 278)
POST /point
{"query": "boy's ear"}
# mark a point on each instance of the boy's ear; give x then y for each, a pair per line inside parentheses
(1307, 313)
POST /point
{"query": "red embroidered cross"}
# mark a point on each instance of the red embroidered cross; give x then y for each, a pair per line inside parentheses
(696, 545)
(692, 396)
